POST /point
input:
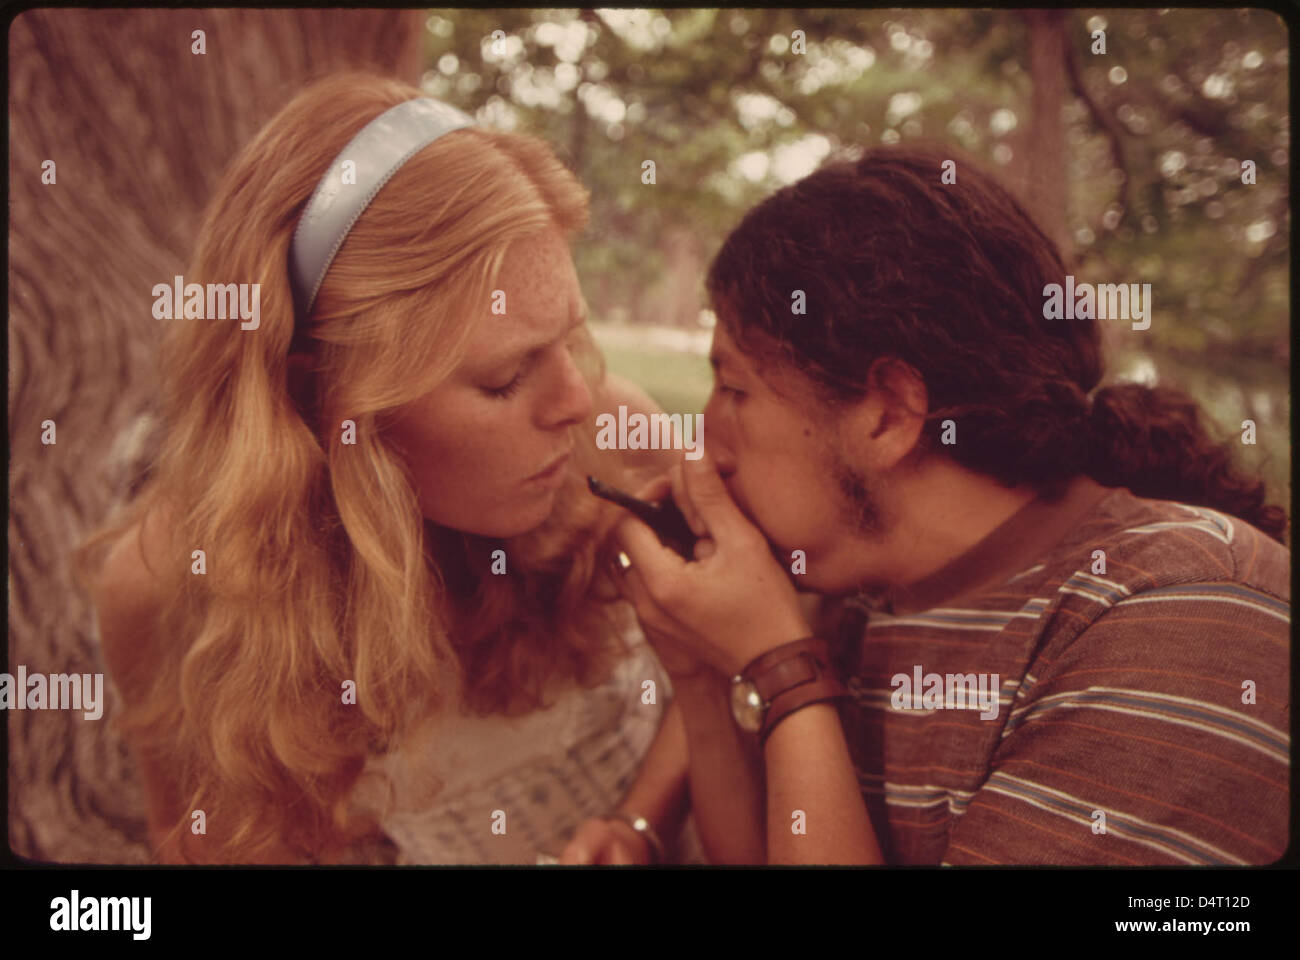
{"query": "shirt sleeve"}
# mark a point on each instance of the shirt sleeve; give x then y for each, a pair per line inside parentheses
(1156, 735)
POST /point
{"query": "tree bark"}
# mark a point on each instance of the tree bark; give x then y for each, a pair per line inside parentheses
(140, 129)
(1043, 143)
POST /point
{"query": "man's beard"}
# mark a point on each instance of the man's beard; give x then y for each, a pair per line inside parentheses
(861, 509)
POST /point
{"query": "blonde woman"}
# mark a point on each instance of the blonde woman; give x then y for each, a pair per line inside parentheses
(364, 593)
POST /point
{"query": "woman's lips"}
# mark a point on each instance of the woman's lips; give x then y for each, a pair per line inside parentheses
(554, 470)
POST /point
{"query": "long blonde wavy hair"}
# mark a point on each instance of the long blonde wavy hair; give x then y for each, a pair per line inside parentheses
(320, 566)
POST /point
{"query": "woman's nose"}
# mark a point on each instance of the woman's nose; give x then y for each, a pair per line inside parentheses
(571, 402)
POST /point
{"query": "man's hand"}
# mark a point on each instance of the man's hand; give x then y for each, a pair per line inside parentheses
(734, 602)
(680, 663)
(606, 842)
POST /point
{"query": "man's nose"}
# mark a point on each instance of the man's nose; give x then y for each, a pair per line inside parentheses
(722, 458)
(718, 438)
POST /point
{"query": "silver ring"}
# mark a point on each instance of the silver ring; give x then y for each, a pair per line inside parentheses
(642, 826)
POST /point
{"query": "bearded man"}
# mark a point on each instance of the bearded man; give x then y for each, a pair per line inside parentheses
(897, 426)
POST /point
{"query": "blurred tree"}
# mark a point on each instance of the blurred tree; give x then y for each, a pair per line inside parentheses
(1041, 171)
(140, 128)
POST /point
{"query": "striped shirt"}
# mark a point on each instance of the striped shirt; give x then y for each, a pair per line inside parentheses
(1104, 679)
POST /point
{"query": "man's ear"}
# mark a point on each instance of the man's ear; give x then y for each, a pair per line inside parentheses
(892, 414)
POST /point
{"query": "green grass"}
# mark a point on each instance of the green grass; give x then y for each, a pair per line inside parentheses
(679, 382)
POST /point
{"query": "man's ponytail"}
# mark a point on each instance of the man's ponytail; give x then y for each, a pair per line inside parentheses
(1152, 441)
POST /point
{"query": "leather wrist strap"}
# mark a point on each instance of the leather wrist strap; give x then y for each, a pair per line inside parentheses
(793, 676)
(779, 669)
(825, 688)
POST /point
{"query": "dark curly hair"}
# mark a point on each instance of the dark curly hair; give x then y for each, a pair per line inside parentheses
(949, 278)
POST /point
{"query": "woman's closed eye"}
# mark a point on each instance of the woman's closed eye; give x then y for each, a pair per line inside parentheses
(507, 389)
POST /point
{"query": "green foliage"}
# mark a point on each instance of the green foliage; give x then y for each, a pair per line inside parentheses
(1155, 134)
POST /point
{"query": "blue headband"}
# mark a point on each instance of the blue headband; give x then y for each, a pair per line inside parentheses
(377, 152)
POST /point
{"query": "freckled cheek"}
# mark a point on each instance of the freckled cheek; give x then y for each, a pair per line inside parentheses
(473, 461)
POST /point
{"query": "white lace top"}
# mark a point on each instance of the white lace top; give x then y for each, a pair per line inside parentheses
(546, 771)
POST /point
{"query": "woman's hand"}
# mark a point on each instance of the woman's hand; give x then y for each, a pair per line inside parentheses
(729, 606)
(606, 842)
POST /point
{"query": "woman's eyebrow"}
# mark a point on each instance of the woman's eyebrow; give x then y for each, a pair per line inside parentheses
(577, 319)
(525, 353)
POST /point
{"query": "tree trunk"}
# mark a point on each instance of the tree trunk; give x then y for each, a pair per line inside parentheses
(1042, 144)
(140, 129)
